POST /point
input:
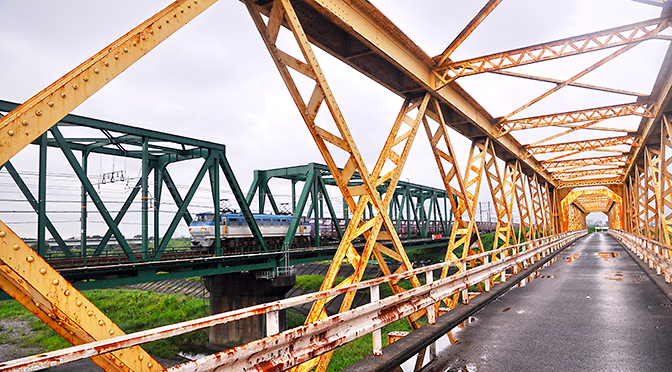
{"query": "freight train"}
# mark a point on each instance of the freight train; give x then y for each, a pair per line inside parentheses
(235, 231)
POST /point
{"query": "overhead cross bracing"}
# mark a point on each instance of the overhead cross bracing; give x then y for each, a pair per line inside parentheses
(439, 99)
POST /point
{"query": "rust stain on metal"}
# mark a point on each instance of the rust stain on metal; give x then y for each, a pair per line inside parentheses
(395, 336)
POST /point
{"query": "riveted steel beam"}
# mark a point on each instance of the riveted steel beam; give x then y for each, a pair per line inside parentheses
(588, 182)
(663, 183)
(27, 122)
(497, 184)
(473, 24)
(584, 145)
(43, 291)
(370, 43)
(587, 173)
(624, 35)
(616, 159)
(359, 198)
(601, 113)
(32, 119)
(574, 84)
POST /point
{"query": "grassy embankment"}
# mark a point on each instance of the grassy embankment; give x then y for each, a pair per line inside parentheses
(131, 310)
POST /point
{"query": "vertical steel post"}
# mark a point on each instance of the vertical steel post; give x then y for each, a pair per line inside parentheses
(316, 212)
(214, 186)
(82, 214)
(377, 339)
(294, 196)
(42, 197)
(158, 186)
(145, 199)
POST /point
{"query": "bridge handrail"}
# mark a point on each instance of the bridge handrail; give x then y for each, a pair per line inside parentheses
(418, 298)
(656, 254)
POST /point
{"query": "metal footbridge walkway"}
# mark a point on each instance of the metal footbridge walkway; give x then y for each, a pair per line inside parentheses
(594, 309)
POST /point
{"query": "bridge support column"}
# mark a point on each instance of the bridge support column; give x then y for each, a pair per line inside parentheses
(238, 290)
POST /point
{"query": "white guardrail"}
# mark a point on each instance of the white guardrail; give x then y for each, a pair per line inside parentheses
(283, 350)
(657, 255)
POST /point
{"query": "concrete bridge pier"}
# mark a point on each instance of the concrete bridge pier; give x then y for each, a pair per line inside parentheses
(238, 290)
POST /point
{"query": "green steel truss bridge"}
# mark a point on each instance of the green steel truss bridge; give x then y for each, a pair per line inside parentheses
(115, 259)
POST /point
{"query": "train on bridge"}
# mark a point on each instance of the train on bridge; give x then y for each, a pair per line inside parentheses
(235, 232)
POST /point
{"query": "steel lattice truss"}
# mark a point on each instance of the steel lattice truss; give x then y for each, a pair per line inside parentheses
(579, 203)
(525, 172)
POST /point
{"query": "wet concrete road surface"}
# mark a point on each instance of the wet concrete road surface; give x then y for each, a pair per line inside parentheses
(596, 312)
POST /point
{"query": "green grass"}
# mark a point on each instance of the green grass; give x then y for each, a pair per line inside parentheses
(313, 282)
(132, 311)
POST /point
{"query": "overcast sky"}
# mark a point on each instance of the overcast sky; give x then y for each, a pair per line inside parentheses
(214, 79)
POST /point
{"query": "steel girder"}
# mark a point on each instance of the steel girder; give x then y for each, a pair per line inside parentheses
(584, 145)
(602, 160)
(504, 229)
(61, 305)
(519, 195)
(577, 218)
(663, 183)
(358, 198)
(540, 222)
(371, 44)
(413, 204)
(619, 36)
(577, 204)
(562, 119)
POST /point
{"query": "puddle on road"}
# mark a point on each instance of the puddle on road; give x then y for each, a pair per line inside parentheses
(607, 255)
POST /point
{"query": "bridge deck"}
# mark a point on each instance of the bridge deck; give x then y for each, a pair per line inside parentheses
(588, 314)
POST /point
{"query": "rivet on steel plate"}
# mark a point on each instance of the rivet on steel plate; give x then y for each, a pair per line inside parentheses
(50, 104)
(75, 86)
(55, 282)
(30, 259)
(111, 332)
(141, 357)
(43, 271)
(62, 95)
(116, 56)
(2, 234)
(150, 365)
(89, 313)
(106, 63)
(85, 78)
(16, 247)
(24, 122)
(78, 303)
(151, 32)
(101, 323)
(38, 112)
(11, 133)
(67, 292)
(159, 26)
(134, 43)
(174, 15)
